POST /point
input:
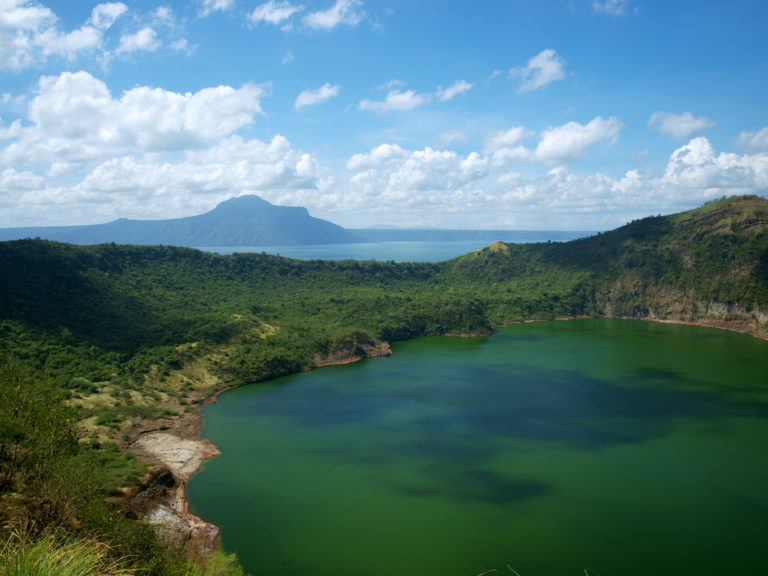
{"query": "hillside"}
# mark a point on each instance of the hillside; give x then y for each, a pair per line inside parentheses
(122, 339)
(242, 221)
(708, 264)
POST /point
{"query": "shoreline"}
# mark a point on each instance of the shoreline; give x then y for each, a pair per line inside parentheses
(178, 451)
(181, 452)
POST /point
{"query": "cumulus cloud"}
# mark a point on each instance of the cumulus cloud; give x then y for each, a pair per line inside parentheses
(395, 100)
(474, 190)
(51, 42)
(504, 139)
(343, 12)
(542, 69)
(317, 96)
(74, 117)
(568, 142)
(232, 164)
(145, 40)
(13, 181)
(274, 12)
(104, 16)
(458, 88)
(451, 136)
(679, 126)
(698, 168)
(29, 33)
(556, 145)
(210, 6)
(755, 141)
(152, 186)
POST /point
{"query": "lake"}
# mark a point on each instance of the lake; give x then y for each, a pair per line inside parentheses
(624, 447)
(401, 251)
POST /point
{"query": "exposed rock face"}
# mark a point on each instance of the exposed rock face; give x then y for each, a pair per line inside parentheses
(349, 355)
(181, 458)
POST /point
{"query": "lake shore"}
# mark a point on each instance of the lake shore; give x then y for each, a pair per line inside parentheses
(178, 450)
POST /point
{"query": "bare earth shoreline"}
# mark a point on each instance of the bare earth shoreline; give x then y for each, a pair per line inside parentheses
(179, 452)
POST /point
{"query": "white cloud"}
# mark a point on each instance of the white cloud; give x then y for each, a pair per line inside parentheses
(381, 155)
(451, 136)
(755, 141)
(343, 12)
(395, 100)
(475, 191)
(14, 181)
(52, 42)
(542, 69)
(151, 186)
(274, 12)
(317, 96)
(73, 117)
(103, 16)
(614, 7)
(568, 142)
(211, 6)
(182, 45)
(28, 34)
(557, 145)
(145, 40)
(503, 139)
(392, 85)
(231, 165)
(699, 169)
(680, 126)
(458, 88)
(289, 57)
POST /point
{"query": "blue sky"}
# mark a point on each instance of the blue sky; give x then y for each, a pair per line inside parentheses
(526, 114)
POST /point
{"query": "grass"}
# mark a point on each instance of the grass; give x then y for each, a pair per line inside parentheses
(56, 556)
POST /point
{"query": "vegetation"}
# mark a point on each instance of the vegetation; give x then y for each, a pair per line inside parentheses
(101, 342)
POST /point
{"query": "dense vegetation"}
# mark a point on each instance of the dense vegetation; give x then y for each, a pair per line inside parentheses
(102, 342)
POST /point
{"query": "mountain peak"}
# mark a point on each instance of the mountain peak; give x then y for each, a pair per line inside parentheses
(247, 220)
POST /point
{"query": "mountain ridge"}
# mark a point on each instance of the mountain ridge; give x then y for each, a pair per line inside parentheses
(241, 221)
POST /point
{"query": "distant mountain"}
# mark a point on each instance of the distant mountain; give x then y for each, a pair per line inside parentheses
(242, 221)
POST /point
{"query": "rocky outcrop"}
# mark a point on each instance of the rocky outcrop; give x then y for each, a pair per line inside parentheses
(353, 354)
(178, 459)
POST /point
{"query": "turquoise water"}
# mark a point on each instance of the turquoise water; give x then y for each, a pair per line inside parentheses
(625, 447)
(421, 251)
(401, 251)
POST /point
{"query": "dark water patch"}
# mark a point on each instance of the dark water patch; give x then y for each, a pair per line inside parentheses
(477, 485)
(570, 408)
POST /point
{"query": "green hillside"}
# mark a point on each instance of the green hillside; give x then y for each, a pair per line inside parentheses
(104, 342)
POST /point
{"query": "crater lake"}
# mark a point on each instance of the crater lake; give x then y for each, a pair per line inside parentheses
(615, 447)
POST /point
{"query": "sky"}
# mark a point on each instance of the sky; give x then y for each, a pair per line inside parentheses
(495, 114)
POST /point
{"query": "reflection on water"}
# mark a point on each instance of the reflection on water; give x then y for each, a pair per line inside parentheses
(628, 447)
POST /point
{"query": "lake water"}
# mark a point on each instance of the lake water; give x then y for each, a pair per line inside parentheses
(624, 447)
(401, 251)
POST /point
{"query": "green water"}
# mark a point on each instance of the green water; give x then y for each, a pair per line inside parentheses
(626, 447)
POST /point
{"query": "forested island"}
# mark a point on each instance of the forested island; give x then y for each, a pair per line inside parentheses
(106, 345)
